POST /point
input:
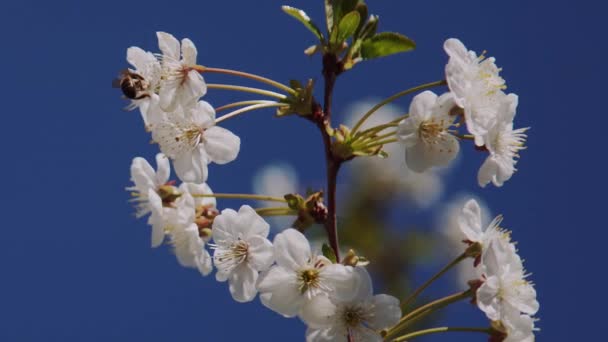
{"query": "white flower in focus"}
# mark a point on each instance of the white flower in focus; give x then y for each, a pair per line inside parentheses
(191, 139)
(476, 85)
(299, 276)
(503, 143)
(505, 289)
(362, 317)
(425, 133)
(142, 83)
(518, 327)
(188, 246)
(241, 250)
(470, 224)
(180, 83)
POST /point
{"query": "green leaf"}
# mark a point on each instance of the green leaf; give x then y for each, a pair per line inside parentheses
(347, 27)
(304, 19)
(385, 44)
(342, 7)
(328, 252)
(370, 27)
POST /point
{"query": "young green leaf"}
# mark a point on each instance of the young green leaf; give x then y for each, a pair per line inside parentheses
(304, 19)
(385, 44)
(362, 9)
(329, 14)
(347, 27)
(329, 253)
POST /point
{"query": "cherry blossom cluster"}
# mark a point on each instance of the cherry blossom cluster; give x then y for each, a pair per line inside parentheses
(334, 297)
(503, 293)
(477, 95)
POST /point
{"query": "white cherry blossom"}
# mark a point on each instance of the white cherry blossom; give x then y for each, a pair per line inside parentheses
(300, 275)
(476, 85)
(187, 244)
(191, 139)
(361, 317)
(470, 223)
(503, 143)
(505, 288)
(147, 184)
(425, 133)
(518, 327)
(180, 83)
(146, 80)
(241, 250)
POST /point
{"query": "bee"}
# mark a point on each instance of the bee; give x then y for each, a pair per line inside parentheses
(133, 85)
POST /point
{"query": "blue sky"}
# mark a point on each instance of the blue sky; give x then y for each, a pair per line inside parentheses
(77, 266)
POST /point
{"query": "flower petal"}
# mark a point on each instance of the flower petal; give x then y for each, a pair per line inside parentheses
(242, 283)
(318, 312)
(261, 253)
(386, 312)
(291, 249)
(469, 221)
(168, 45)
(143, 175)
(221, 145)
(223, 226)
(279, 292)
(341, 279)
(188, 52)
(191, 166)
(163, 171)
(249, 223)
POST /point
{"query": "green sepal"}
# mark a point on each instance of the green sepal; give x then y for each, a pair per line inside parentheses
(329, 253)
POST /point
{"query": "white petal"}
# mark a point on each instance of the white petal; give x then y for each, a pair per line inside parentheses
(143, 175)
(364, 284)
(318, 312)
(249, 223)
(342, 279)
(422, 105)
(168, 45)
(204, 263)
(487, 300)
(168, 96)
(324, 335)
(407, 132)
(191, 166)
(261, 253)
(163, 169)
(279, 292)
(138, 58)
(192, 88)
(221, 145)
(422, 157)
(291, 249)
(242, 283)
(188, 52)
(469, 221)
(203, 114)
(223, 226)
(158, 232)
(387, 312)
(488, 172)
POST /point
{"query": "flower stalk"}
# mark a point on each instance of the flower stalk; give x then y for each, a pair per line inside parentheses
(246, 90)
(243, 196)
(419, 333)
(393, 98)
(203, 69)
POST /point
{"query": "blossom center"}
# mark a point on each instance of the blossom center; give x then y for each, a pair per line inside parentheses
(353, 316)
(431, 131)
(308, 278)
(234, 255)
